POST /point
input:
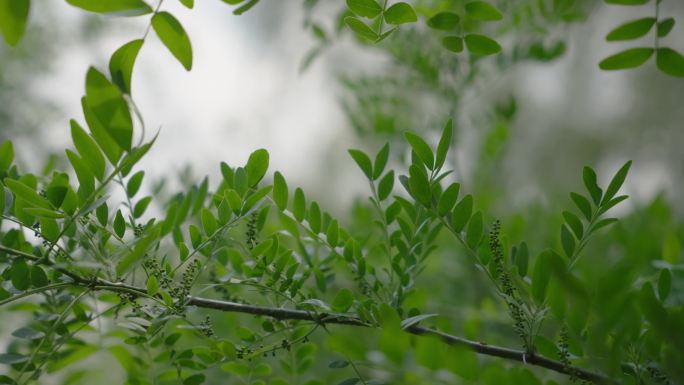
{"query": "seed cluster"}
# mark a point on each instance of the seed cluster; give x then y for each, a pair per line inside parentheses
(512, 301)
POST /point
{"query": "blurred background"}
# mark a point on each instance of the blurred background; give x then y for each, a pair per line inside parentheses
(248, 89)
(284, 76)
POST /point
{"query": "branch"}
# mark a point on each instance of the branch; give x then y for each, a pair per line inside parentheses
(478, 347)
(338, 319)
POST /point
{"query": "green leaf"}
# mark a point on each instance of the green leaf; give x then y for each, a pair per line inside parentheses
(76, 355)
(314, 217)
(20, 275)
(136, 254)
(121, 64)
(475, 231)
(380, 161)
(28, 334)
(39, 212)
(6, 155)
(461, 213)
(448, 199)
(616, 182)
(363, 161)
(419, 186)
(26, 193)
(522, 259)
(629, 58)
(342, 301)
(13, 16)
(575, 224)
(339, 364)
(172, 34)
(195, 379)
(670, 62)
(109, 108)
(245, 7)
(12, 358)
(422, 149)
(665, 26)
(603, 223)
(280, 191)
(299, 205)
(88, 149)
(483, 11)
(445, 21)
(134, 183)
(123, 7)
(38, 276)
(209, 224)
(256, 167)
(360, 28)
(110, 148)
(332, 235)
(582, 204)
(411, 321)
(567, 241)
(453, 43)
(400, 13)
(541, 275)
(444, 144)
(481, 45)
(589, 178)
(188, 3)
(365, 8)
(632, 30)
(49, 228)
(119, 224)
(152, 285)
(141, 206)
(664, 284)
(386, 185)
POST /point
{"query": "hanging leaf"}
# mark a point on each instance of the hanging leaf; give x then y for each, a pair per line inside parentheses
(109, 108)
(632, 30)
(462, 212)
(567, 241)
(445, 21)
(575, 224)
(481, 45)
(174, 37)
(26, 193)
(475, 231)
(88, 149)
(448, 199)
(121, 64)
(665, 26)
(453, 43)
(121, 7)
(365, 8)
(670, 62)
(629, 58)
(342, 301)
(134, 183)
(361, 29)
(400, 13)
(483, 11)
(13, 16)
